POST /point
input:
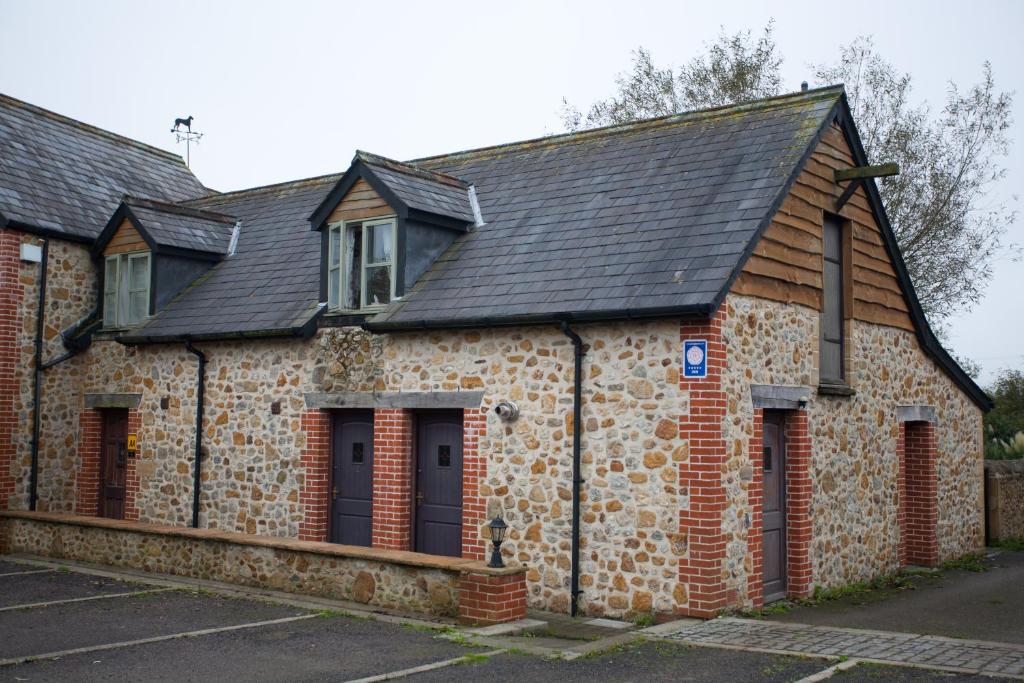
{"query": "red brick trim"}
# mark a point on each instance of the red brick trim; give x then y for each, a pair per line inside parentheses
(316, 461)
(11, 295)
(392, 478)
(700, 475)
(755, 500)
(901, 494)
(918, 543)
(131, 477)
(485, 599)
(474, 469)
(90, 444)
(798, 505)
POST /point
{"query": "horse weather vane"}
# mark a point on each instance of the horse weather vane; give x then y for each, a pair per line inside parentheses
(187, 135)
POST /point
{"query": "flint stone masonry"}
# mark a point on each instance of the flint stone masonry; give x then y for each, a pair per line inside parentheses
(402, 581)
(854, 442)
(1004, 505)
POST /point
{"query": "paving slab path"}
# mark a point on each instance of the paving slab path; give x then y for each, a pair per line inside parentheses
(949, 654)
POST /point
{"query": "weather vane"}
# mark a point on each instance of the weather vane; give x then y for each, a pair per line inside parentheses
(188, 135)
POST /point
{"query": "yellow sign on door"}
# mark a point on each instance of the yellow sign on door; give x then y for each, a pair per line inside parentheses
(133, 443)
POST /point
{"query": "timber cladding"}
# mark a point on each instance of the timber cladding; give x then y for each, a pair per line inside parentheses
(126, 239)
(786, 265)
(360, 202)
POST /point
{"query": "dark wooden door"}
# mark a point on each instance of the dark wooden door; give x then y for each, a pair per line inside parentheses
(113, 463)
(352, 478)
(439, 484)
(774, 515)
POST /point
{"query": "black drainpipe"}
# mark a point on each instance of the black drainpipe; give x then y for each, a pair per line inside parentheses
(33, 476)
(577, 479)
(197, 467)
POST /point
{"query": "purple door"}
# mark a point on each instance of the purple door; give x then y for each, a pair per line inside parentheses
(352, 478)
(113, 463)
(774, 515)
(439, 483)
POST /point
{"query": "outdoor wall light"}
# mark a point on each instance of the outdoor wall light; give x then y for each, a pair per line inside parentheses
(498, 530)
(507, 411)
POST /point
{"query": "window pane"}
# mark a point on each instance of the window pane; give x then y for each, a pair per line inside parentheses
(353, 266)
(110, 275)
(378, 285)
(139, 306)
(333, 282)
(833, 234)
(139, 267)
(122, 292)
(378, 243)
(831, 361)
(110, 309)
(832, 297)
(334, 255)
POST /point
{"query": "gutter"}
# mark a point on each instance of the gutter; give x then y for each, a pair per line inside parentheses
(577, 479)
(198, 464)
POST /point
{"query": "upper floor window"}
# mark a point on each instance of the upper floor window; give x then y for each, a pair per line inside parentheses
(360, 264)
(126, 289)
(833, 303)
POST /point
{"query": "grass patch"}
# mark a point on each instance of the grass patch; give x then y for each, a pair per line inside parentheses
(331, 613)
(972, 562)
(64, 570)
(474, 658)
(144, 595)
(644, 619)
(859, 593)
(1014, 544)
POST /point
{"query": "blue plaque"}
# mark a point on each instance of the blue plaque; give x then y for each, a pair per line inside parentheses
(695, 358)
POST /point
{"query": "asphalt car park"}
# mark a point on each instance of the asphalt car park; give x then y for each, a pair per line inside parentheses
(73, 623)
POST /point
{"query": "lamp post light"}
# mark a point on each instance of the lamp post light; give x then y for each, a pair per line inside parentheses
(498, 530)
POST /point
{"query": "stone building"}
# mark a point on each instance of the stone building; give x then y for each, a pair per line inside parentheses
(682, 361)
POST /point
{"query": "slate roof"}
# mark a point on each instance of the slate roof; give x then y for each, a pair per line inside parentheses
(66, 177)
(272, 283)
(421, 189)
(173, 225)
(627, 220)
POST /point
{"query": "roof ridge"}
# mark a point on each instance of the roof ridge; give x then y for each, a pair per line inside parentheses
(767, 103)
(89, 128)
(313, 180)
(170, 207)
(410, 169)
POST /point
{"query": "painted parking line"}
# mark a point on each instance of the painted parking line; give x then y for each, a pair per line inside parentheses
(402, 673)
(830, 672)
(155, 639)
(50, 603)
(30, 571)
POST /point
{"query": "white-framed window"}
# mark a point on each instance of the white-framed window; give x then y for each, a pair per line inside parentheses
(361, 264)
(126, 289)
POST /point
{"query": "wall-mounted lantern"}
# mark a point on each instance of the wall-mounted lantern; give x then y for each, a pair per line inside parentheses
(498, 530)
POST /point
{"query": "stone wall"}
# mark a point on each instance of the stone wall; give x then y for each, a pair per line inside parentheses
(854, 463)
(253, 474)
(406, 582)
(1004, 499)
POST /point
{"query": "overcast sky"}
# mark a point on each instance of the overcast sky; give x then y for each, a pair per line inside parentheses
(286, 90)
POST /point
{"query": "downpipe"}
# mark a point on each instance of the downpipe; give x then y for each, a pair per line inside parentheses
(37, 379)
(197, 468)
(577, 478)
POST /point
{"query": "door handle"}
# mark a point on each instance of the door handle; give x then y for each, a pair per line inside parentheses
(334, 491)
(419, 499)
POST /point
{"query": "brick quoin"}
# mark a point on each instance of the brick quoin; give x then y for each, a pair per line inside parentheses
(700, 475)
(486, 599)
(392, 479)
(11, 296)
(474, 469)
(755, 499)
(90, 444)
(798, 505)
(315, 458)
(918, 544)
(131, 477)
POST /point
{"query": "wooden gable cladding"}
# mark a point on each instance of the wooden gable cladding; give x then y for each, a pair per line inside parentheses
(126, 239)
(360, 202)
(786, 265)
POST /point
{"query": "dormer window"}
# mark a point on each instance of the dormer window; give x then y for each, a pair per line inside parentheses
(126, 289)
(360, 264)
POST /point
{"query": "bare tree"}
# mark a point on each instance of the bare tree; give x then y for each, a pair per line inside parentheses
(734, 69)
(940, 205)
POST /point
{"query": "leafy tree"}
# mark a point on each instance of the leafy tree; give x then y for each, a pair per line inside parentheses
(939, 206)
(1004, 422)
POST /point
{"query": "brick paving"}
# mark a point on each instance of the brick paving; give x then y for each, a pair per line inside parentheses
(973, 656)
